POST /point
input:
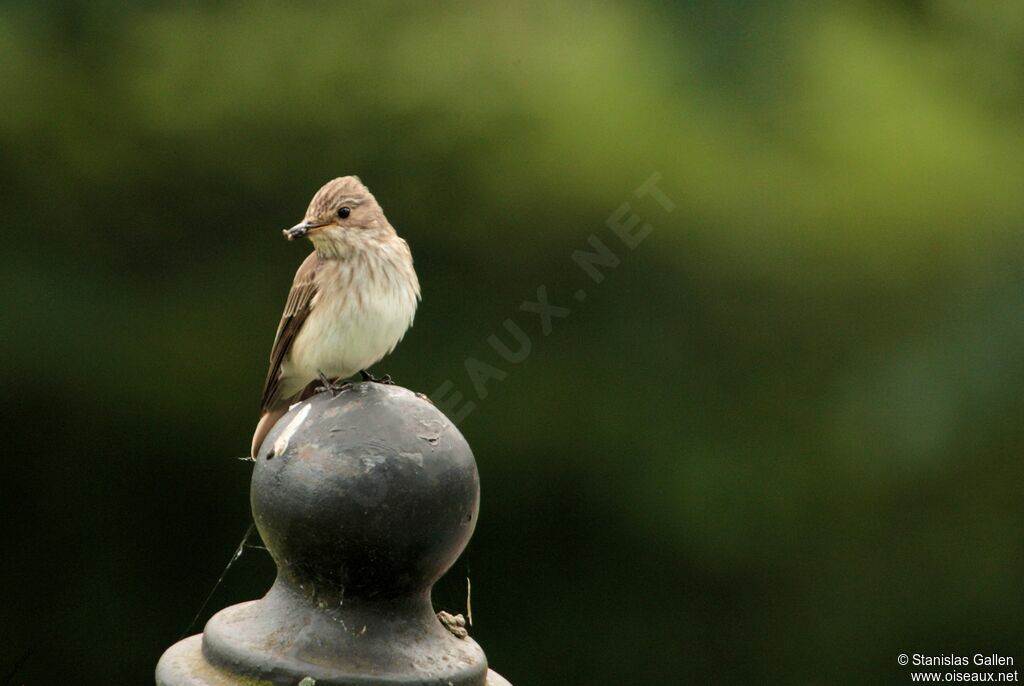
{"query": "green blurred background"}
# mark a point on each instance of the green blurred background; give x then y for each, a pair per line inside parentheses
(779, 443)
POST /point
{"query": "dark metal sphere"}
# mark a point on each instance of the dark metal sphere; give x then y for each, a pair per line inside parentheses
(372, 493)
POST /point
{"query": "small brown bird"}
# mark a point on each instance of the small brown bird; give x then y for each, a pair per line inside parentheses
(351, 302)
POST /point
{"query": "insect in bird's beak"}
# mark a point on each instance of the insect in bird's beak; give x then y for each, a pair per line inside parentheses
(301, 229)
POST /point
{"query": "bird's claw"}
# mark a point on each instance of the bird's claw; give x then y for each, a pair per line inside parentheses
(367, 376)
(328, 386)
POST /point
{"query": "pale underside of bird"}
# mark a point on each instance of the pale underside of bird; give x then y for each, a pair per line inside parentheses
(351, 302)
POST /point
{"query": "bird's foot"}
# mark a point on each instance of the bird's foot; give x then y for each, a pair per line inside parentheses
(453, 623)
(328, 386)
(367, 376)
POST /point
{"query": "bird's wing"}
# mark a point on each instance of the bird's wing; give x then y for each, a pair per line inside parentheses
(296, 309)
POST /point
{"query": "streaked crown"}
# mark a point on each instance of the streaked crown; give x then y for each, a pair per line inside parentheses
(344, 190)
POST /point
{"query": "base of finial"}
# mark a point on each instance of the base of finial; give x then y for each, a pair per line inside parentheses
(183, 664)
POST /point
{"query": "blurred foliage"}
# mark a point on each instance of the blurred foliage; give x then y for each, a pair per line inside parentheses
(780, 442)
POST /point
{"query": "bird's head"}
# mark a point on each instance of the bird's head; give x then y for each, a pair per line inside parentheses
(341, 209)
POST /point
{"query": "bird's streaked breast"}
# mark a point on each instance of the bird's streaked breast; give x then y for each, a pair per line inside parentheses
(362, 309)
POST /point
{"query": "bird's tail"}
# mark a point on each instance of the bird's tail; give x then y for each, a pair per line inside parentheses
(266, 423)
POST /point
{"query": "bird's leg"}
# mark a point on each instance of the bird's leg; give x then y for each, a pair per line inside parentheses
(331, 386)
(367, 376)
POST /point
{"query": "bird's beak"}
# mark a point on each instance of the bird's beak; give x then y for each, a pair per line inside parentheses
(301, 229)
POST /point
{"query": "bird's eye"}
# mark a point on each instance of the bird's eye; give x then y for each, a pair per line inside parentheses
(343, 212)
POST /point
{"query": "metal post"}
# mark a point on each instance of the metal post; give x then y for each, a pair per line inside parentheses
(364, 500)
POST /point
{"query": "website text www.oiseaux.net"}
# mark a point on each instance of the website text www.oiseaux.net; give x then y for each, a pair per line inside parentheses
(948, 669)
